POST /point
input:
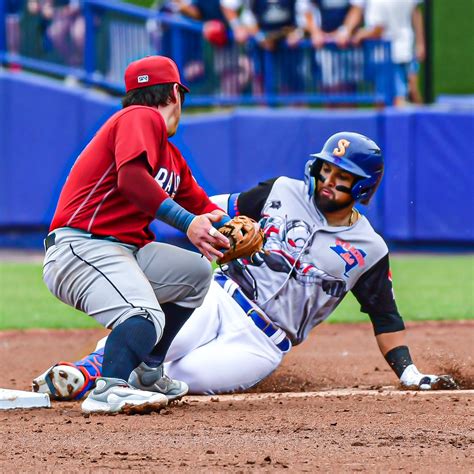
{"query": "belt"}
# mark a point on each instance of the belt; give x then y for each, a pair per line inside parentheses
(276, 334)
(50, 239)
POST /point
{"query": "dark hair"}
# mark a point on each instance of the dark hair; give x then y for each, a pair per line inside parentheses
(152, 96)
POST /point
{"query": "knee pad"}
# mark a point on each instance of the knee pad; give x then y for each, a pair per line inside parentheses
(156, 316)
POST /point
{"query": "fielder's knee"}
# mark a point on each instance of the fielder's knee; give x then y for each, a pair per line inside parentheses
(156, 316)
(200, 276)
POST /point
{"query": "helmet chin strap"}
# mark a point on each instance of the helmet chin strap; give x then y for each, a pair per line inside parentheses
(342, 189)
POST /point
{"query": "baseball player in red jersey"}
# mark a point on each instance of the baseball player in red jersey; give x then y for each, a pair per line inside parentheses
(101, 256)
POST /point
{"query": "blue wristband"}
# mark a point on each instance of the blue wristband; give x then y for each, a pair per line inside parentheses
(223, 221)
(233, 206)
(175, 215)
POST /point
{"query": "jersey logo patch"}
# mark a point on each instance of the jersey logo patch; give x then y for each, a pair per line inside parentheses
(352, 257)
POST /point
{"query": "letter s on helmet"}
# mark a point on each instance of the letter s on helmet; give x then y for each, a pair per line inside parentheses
(354, 153)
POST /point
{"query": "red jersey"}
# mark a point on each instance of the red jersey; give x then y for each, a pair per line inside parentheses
(90, 200)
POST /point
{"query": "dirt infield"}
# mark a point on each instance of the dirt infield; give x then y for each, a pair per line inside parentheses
(364, 425)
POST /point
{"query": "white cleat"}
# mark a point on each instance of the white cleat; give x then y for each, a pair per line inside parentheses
(155, 380)
(112, 395)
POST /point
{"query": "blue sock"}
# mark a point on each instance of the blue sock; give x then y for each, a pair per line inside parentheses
(127, 346)
(175, 317)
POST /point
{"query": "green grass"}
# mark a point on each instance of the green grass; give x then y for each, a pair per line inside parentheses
(453, 54)
(25, 302)
(426, 287)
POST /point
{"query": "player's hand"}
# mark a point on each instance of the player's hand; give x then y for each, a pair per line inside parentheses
(205, 237)
(219, 212)
(415, 380)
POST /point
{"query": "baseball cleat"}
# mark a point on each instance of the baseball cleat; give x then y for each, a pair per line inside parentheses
(62, 381)
(155, 380)
(112, 395)
(70, 381)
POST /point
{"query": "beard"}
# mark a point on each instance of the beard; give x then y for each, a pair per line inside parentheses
(325, 204)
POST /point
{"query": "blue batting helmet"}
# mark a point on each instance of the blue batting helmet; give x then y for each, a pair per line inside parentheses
(354, 153)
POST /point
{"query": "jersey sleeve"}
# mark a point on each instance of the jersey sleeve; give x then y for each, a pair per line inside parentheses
(374, 292)
(250, 203)
(139, 132)
(190, 195)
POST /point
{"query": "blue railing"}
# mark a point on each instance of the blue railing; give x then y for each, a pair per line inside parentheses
(117, 33)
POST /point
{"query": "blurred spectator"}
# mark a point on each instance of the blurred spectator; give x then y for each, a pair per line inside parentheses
(273, 25)
(338, 71)
(268, 21)
(208, 11)
(13, 10)
(64, 27)
(401, 23)
(420, 55)
(203, 10)
(217, 59)
(330, 26)
(67, 31)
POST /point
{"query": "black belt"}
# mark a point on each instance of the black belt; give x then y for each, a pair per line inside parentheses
(267, 327)
(50, 239)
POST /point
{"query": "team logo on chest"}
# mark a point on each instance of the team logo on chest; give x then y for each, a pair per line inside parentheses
(168, 181)
(352, 257)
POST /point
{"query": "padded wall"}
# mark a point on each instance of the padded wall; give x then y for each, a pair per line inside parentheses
(426, 193)
(443, 177)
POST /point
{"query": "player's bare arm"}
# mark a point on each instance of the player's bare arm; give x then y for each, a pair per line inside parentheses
(375, 293)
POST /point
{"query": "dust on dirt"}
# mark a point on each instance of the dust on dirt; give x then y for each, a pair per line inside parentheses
(460, 371)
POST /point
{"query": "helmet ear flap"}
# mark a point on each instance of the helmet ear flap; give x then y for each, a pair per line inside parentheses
(364, 189)
(309, 178)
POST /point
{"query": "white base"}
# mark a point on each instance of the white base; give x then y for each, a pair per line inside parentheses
(341, 392)
(10, 399)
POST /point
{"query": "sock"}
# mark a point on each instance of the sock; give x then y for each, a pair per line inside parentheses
(175, 317)
(92, 363)
(127, 346)
(91, 368)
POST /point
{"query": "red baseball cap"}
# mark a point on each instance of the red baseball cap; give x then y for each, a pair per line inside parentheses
(150, 71)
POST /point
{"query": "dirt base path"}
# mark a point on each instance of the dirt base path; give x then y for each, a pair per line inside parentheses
(345, 430)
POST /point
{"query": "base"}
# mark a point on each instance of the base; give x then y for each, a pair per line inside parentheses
(11, 399)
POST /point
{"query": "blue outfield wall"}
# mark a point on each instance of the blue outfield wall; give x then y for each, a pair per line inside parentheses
(427, 192)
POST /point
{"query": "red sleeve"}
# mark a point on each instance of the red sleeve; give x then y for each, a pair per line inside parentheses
(137, 186)
(139, 131)
(190, 195)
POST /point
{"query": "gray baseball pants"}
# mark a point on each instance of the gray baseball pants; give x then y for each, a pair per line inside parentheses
(112, 281)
